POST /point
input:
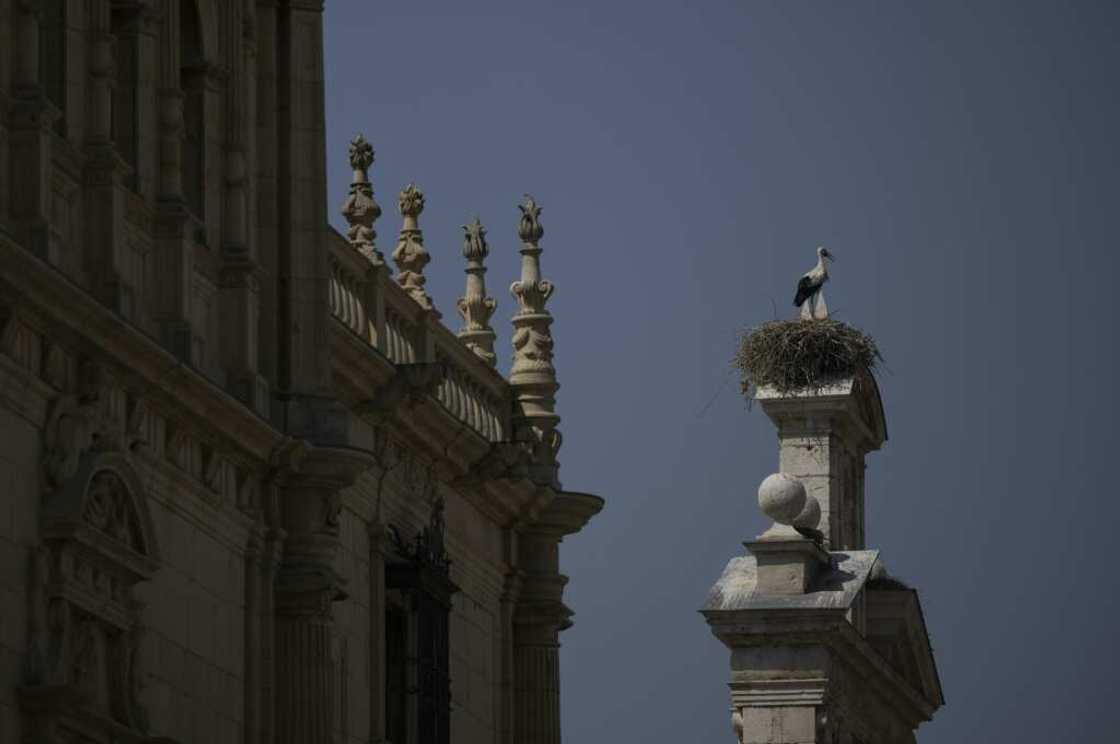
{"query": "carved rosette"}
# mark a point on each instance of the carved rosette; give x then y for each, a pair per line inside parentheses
(360, 209)
(475, 308)
(533, 375)
(410, 255)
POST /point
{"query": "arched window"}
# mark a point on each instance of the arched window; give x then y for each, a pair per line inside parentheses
(193, 83)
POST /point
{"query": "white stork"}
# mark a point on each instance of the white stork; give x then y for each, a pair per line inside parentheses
(809, 297)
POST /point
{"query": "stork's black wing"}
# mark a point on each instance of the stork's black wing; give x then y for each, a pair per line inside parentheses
(805, 288)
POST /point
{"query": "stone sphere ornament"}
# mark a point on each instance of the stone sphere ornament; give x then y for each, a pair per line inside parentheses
(782, 498)
(810, 516)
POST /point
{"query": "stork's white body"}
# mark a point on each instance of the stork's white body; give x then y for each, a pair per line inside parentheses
(810, 297)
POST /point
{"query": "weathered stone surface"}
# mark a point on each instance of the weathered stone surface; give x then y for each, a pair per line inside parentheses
(825, 647)
(215, 412)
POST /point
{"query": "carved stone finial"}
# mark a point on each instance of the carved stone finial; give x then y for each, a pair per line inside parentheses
(533, 376)
(360, 209)
(409, 255)
(474, 306)
(530, 230)
(411, 202)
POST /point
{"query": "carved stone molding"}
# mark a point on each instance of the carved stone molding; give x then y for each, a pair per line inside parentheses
(85, 672)
(410, 385)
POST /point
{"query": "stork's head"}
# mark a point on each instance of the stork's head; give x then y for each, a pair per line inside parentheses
(823, 253)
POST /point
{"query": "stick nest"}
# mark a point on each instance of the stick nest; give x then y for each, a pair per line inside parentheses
(791, 355)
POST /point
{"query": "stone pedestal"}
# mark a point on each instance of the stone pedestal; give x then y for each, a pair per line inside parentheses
(824, 437)
(820, 653)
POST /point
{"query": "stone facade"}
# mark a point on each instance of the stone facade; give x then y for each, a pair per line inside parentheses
(826, 647)
(255, 490)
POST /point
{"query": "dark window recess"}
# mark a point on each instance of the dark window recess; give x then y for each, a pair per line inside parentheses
(418, 679)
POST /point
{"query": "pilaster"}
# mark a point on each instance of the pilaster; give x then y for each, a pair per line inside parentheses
(308, 481)
(32, 117)
(303, 302)
(539, 615)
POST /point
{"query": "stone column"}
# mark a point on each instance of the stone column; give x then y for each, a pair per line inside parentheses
(263, 170)
(105, 175)
(539, 617)
(262, 558)
(32, 118)
(301, 210)
(174, 227)
(307, 585)
(511, 591)
(5, 105)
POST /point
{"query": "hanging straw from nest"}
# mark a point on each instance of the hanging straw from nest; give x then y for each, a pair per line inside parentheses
(793, 355)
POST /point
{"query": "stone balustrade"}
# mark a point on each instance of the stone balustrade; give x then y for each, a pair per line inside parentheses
(366, 300)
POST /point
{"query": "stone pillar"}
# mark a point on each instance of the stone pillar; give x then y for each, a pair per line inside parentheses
(105, 176)
(378, 545)
(174, 227)
(532, 376)
(795, 617)
(5, 105)
(824, 436)
(307, 585)
(301, 209)
(32, 118)
(263, 170)
(506, 715)
(262, 558)
(475, 307)
(539, 617)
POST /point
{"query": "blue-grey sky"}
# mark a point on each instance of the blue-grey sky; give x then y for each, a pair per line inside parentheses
(959, 158)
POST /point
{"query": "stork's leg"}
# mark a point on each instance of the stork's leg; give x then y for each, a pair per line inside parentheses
(820, 309)
(807, 308)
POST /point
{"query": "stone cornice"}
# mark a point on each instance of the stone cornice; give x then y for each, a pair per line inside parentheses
(829, 628)
(568, 513)
(96, 331)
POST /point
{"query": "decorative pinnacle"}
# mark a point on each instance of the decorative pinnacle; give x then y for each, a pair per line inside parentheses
(475, 247)
(361, 157)
(533, 376)
(531, 291)
(411, 202)
(409, 255)
(360, 209)
(475, 308)
(530, 230)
